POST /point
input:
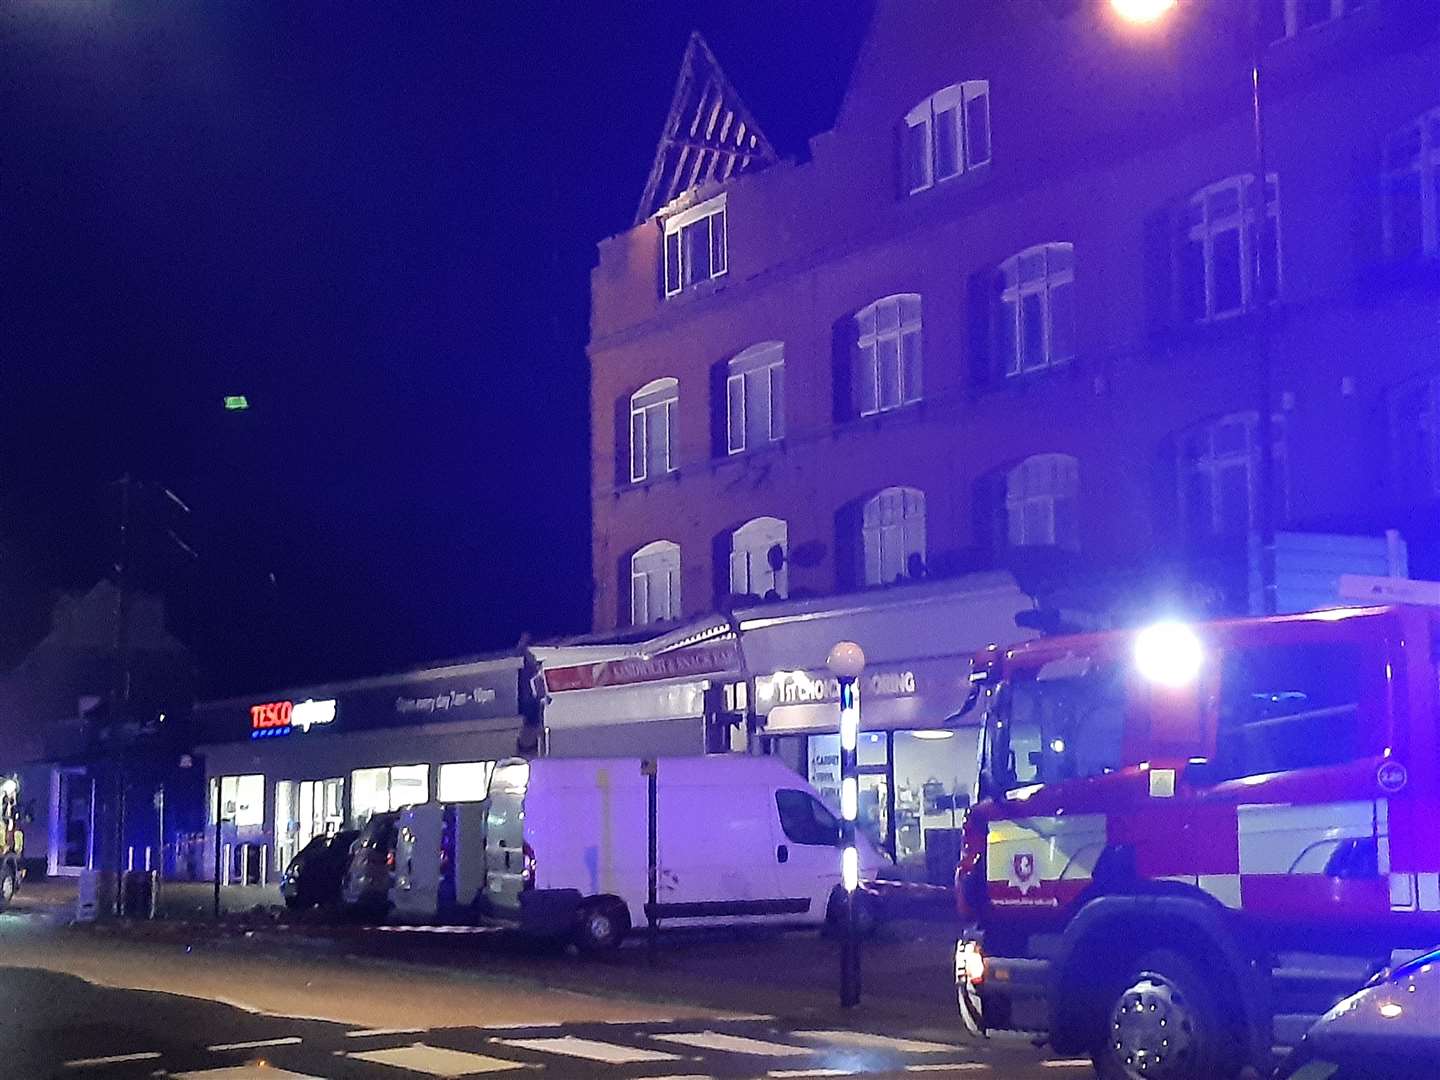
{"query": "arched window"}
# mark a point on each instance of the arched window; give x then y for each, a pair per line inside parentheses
(1041, 502)
(946, 134)
(1036, 321)
(1412, 188)
(759, 557)
(893, 534)
(652, 429)
(655, 583)
(755, 398)
(886, 371)
(1222, 248)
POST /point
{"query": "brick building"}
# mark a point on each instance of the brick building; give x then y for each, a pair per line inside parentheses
(1002, 313)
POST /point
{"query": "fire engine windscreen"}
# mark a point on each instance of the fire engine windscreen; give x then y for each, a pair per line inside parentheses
(1063, 721)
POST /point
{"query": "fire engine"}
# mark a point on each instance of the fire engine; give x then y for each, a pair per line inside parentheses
(12, 841)
(1191, 840)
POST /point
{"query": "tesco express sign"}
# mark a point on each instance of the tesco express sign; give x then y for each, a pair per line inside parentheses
(282, 717)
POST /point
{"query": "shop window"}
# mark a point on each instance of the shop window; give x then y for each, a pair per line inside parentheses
(696, 246)
(805, 821)
(893, 535)
(946, 134)
(1289, 707)
(755, 398)
(464, 781)
(1041, 495)
(242, 797)
(934, 778)
(1067, 722)
(655, 583)
(377, 791)
(1223, 251)
(1412, 189)
(758, 559)
(652, 430)
(1035, 318)
(886, 368)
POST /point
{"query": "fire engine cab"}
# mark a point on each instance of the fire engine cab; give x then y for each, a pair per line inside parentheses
(12, 841)
(1191, 840)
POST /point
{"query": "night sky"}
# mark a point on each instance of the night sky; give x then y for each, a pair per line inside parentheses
(376, 221)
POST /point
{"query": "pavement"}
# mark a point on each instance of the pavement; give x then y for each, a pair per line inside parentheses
(282, 1002)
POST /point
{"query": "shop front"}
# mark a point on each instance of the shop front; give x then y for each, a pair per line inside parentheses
(917, 756)
(284, 768)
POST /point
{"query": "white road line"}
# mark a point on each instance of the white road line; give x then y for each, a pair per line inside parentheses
(530, 1024)
(734, 1044)
(113, 1059)
(384, 1031)
(243, 1072)
(1067, 1063)
(255, 1044)
(953, 1066)
(781, 1074)
(590, 1049)
(886, 1042)
(436, 1060)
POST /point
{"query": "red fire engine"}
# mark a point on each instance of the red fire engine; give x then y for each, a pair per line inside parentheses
(12, 841)
(1193, 839)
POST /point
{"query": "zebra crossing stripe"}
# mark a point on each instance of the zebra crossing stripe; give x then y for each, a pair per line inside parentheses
(436, 1060)
(881, 1042)
(254, 1044)
(113, 1059)
(590, 1049)
(244, 1072)
(734, 1044)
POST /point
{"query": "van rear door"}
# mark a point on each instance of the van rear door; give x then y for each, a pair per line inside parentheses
(417, 863)
(505, 838)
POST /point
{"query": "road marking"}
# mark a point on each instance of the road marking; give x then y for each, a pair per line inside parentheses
(255, 1044)
(953, 1066)
(1067, 1063)
(591, 1049)
(781, 1074)
(531, 1024)
(865, 1039)
(436, 1060)
(734, 1044)
(244, 1072)
(384, 1031)
(113, 1059)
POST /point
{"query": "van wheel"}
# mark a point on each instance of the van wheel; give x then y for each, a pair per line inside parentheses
(603, 925)
(1164, 1023)
(7, 886)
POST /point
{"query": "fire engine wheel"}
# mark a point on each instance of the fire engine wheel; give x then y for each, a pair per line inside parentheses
(602, 926)
(1164, 1024)
(7, 886)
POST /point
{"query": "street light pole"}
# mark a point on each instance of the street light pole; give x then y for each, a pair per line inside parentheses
(846, 662)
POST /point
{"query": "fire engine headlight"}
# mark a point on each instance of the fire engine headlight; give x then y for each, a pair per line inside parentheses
(1168, 653)
(969, 963)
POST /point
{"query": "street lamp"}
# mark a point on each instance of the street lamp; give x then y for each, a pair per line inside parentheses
(1146, 12)
(846, 662)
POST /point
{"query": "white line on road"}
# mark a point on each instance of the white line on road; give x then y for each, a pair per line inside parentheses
(436, 1060)
(591, 1049)
(384, 1031)
(1067, 1063)
(255, 1044)
(113, 1059)
(734, 1044)
(953, 1066)
(864, 1038)
(781, 1074)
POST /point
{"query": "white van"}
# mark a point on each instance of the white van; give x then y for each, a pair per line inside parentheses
(739, 839)
(439, 863)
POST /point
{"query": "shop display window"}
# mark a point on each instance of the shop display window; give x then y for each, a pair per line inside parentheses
(375, 791)
(243, 798)
(464, 781)
(934, 777)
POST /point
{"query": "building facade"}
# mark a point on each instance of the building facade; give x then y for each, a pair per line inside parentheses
(1003, 313)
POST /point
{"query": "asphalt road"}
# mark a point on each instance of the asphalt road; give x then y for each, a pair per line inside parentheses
(79, 1004)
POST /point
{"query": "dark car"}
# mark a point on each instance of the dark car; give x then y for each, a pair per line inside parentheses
(1388, 1031)
(313, 877)
(370, 871)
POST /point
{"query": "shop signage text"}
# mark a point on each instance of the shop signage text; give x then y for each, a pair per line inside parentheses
(699, 660)
(444, 701)
(282, 717)
(803, 687)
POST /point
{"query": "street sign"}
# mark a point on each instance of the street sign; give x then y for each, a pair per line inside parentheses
(1387, 590)
(236, 403)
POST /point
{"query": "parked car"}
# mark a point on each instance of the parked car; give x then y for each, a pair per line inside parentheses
(739, 839)
(313, 877)
(1388, 1031)
(440, 863)
(370, 873)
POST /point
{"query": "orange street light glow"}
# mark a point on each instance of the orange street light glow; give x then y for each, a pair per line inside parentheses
(1141, 11)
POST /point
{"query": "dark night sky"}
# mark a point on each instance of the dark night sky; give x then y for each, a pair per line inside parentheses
(377, 222)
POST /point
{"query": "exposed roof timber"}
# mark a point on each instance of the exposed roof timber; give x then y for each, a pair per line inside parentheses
(708, 135)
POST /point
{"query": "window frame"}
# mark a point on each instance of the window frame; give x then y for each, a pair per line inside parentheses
(1291, 11)
(816, 807)
(909, 527)
(908, 331)
(1241, 221)
(658, 395)
(1062, 475)
(1410, 479)
(666, 556)
(750, 544)
(1425, 169)
(925, 116)
(763, 363)
(710, 211)
(1011, 306)
(1213, 464)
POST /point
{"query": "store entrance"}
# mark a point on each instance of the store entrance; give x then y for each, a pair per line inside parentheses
(72, 814)
(304, 810)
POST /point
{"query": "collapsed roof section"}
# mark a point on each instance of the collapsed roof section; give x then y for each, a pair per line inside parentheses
(709, 134)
